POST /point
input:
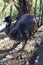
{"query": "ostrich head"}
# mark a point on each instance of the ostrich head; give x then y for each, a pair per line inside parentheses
(6, 25)
(8, 21)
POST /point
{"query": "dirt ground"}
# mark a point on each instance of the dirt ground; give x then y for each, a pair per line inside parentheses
(12, 52)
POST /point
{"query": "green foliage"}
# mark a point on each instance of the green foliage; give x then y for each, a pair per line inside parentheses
(7, 10)
(37, 6)
(15, 11)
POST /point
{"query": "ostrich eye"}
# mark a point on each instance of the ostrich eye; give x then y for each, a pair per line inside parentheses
(9, 18)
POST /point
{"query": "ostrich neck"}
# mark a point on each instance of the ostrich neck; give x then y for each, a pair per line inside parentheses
(8, 28)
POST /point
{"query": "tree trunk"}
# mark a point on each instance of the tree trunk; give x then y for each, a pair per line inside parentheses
(23, 8)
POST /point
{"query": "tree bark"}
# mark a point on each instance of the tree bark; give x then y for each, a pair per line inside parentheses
(23, 8)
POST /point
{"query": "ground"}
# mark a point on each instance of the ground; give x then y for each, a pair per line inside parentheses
(10, 50)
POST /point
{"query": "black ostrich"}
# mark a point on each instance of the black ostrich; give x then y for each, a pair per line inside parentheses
(22, 29)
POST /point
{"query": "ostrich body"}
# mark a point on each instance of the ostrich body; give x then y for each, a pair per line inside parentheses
(22, 29)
